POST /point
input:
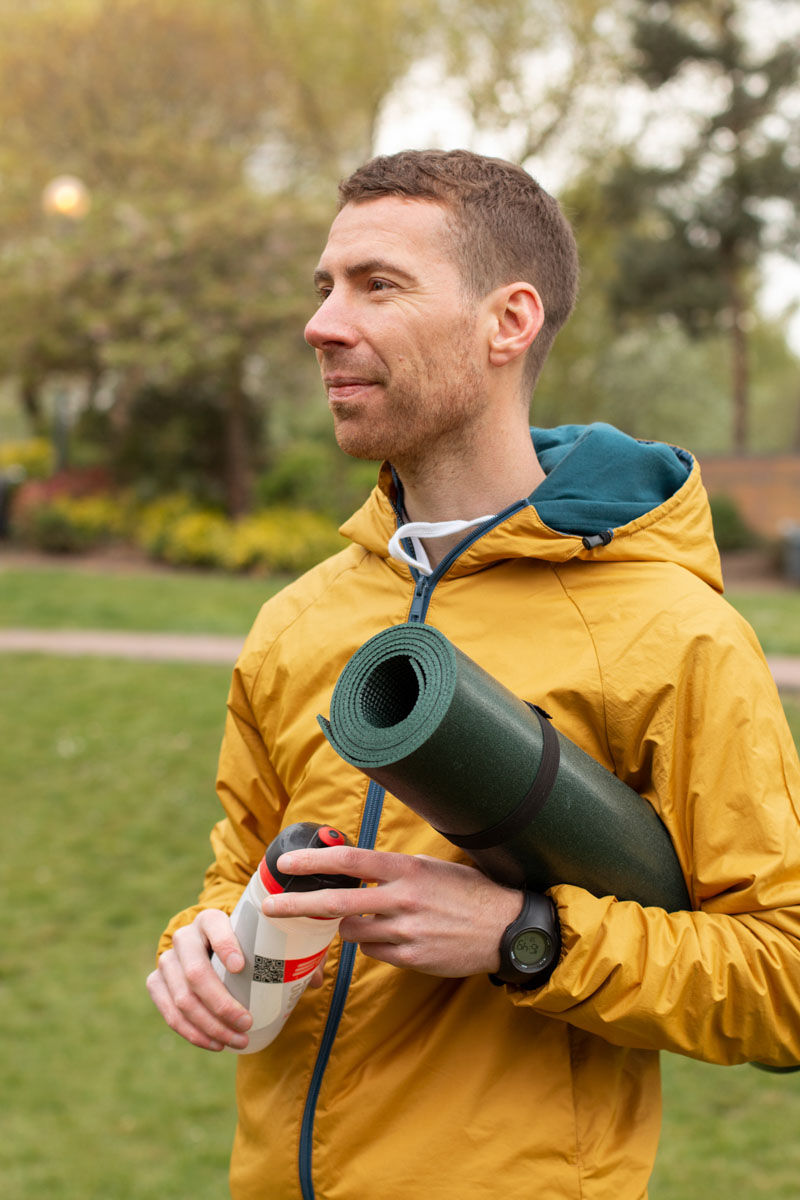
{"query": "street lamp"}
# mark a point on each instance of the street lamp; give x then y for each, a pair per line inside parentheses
(66, 196)
(66, 199)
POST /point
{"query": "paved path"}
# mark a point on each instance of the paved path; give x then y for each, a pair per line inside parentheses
(211, 648)
(153, 647)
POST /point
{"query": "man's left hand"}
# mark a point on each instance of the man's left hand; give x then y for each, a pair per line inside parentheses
(424, 914)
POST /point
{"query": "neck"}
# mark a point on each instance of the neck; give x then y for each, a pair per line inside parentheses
(467, 483)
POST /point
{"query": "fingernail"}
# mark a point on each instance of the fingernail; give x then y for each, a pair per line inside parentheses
(286, 863)
(238, 1041)
(216, 1046)
(244, 1021)
(268, 906)
(235, 961)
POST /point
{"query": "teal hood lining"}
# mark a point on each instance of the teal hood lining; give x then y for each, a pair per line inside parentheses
(599, 478)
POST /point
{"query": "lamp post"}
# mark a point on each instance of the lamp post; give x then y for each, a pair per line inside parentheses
(66, 200)
(66, 197)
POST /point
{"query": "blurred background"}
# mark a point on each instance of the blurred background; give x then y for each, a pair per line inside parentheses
(168, 171)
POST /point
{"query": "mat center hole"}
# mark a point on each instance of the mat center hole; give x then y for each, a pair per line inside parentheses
(389, 693)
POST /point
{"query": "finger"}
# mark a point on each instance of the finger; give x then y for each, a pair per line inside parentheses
(374, 866)
(162, 998)
(218, 1019)
(193, 983)
(318, 977)
(370, 930)
(333, 903)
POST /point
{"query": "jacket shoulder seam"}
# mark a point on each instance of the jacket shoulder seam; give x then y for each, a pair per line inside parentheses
(595, 651)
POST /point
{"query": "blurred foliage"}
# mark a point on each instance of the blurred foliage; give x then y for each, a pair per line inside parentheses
(173, 529)
(315, 474)
(203, 133)
(647, 374)
(210, 137)
(34, 456)
(70, 526)
(695, 229)
(731, 531)
(288, 540)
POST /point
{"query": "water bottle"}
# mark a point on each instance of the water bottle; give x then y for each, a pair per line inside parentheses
(280, 953)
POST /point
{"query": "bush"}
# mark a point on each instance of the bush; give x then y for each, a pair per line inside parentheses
(155, 520)
(276, 539)
(71, 526)
(34, 456)
(171, 529)
(316, 475)
(730, 528)
(196, 539)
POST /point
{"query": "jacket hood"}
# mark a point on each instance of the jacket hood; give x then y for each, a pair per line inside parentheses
(605, 496)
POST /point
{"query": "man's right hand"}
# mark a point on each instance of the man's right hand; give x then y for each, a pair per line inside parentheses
(189, 994)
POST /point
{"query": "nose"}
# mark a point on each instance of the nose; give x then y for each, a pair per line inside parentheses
(331, 325)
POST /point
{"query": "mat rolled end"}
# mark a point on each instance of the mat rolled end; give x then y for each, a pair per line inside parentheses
(325, 726)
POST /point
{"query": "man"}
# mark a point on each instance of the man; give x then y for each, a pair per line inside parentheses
(578, 567)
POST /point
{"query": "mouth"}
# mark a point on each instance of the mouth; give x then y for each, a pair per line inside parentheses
(345, 387)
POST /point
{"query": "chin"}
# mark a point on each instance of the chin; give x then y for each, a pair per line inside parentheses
(360, 441)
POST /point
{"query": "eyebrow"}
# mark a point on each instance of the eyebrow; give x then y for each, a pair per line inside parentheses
(367, 267)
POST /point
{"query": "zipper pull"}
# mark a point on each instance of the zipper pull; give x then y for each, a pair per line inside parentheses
(418, 603)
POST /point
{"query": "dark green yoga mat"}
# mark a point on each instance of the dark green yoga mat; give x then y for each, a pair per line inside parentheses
(480, 765)
(425, 721)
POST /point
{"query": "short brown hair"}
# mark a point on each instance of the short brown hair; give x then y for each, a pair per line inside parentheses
(506, 226)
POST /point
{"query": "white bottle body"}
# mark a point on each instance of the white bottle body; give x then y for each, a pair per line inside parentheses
(280, 956)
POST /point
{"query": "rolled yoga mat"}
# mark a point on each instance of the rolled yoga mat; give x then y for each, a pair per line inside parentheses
(490, 773)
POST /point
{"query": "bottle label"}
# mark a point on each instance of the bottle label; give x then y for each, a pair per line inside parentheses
(278, 965)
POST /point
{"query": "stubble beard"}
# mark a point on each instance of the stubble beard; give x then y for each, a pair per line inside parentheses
(419, 423)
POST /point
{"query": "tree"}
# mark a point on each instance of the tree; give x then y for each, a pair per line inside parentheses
(702, 224)
(191, 125)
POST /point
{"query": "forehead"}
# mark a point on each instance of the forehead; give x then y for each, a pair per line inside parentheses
(413, 233)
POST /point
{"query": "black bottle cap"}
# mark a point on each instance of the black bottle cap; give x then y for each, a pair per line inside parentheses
(305, 835)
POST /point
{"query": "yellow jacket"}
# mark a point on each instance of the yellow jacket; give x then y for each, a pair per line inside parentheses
(391, 1084)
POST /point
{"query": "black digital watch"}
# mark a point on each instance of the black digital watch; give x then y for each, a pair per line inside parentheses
(530, 945)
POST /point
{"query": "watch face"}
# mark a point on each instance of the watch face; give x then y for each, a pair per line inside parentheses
(531, 947)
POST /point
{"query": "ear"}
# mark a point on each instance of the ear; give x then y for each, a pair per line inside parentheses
(517, 316)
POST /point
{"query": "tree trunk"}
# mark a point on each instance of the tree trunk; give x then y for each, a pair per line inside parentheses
(31, 401)
(237, 449)
(740, 367)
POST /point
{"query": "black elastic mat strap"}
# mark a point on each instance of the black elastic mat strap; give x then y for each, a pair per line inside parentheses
(531, 803)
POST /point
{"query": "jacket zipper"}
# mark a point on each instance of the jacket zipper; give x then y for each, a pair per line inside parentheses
(366, 839)
(373, 807)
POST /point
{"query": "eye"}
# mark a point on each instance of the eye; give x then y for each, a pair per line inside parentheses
(322, 293)
(379, 285)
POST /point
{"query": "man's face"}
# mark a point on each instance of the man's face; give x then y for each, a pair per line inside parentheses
(397, 341)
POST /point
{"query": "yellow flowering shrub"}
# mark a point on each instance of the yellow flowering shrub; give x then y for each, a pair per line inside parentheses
(34, 456)
(70, 525)
(198, 539)
(282, 539)
(155, 520)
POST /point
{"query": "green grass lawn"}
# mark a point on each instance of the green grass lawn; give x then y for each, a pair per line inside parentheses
(60, 597)
(775, 616)
(108, 800)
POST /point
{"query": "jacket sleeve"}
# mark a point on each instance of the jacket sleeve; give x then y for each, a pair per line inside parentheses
(253, 799)
(710, 747)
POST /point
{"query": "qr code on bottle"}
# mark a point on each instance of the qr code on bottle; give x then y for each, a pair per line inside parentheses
(267, 970)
